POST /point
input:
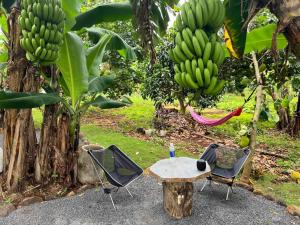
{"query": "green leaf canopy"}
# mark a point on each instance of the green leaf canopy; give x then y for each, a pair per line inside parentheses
(71, 9)
(73, 66)
(104, 103)
(104, 13)
(17, 100)
(116, 42)
(94, 55)
(100, 84)
(261, 38)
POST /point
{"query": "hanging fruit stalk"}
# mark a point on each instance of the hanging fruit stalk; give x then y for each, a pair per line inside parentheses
(198, 52)
(42, 24)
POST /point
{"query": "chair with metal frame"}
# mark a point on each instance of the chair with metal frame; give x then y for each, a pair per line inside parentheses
(210, 156)
(118, 168)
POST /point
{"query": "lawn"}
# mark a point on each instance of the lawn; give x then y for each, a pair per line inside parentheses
(145, 153)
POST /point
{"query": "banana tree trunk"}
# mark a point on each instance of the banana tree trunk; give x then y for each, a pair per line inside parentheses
(289, 21)
(65, 156)
(259, 98)
(19, 133)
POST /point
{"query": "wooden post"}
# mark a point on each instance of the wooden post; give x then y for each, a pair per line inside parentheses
(178, 199)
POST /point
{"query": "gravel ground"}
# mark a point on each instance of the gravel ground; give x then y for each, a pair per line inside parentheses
(209, 207)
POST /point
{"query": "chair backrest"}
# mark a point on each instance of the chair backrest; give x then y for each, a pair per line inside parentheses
(210, 156)
(115, 164)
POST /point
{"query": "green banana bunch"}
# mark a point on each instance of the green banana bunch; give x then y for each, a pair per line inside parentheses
(198, 52)
(42, 24)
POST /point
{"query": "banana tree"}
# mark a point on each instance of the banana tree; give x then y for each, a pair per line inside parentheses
(23, 76)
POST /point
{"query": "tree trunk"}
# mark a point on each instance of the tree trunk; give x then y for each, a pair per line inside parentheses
(296, 125)
(19, 132)
(288, 13)
(178, 199)
(65, 157)
(259, 96)
(182, 105)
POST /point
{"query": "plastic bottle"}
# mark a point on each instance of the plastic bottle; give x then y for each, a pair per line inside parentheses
(172, 150)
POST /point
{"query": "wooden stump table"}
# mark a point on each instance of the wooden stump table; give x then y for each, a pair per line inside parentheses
(177, 176)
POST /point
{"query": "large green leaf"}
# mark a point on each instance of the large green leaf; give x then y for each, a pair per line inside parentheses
(94, 55)
(104, 103)
(14, 100)
(71, 9)
(235, 33)
(261, 38)
(72, 64)
(100, 84)
(116, 42)
(104, 13)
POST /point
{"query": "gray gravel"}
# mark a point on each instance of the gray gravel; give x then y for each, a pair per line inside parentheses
(209, 207)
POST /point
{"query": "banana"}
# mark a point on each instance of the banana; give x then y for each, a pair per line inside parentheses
(206, 77)
(48, 55)
(39, 10)
(201, 65)
(191, 20)
(46, 35)
(211, 86)
(199, 16)
(218, 88)
(182, 67)
(177, 78)
(210, 66)
(187, 39)
(190, 82)
(174, 54)
(221, 15)
(34, 44)
(27, 24)
(207, 52)
(183, 15)
(194, 67)
(51, 12)
(186, 50)
(188, 67)
(205, 16)
(34, 29)
(179, 24)
(197, 47)
(30, 57)
(199, 78)
(215, 70)
(190, 32)
(52, 35)
(176, 69)
(183, 79)
(22, 23)
(200, 39)
(37, 22)
(43, 54)
(215, 12)
(210, 8)
(28, 45)
(171, 55)
(42, 42)
(38, 51)
(221, 57)
(217, 52)
(193, 6)
(34, 8)
(204, 35)
(42, 30)
(45, 12)
(178, 38)
(179, 53)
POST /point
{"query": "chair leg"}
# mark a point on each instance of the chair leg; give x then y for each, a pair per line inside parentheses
(112, 201)
(228, 190)
(205, 183)
(129, 192)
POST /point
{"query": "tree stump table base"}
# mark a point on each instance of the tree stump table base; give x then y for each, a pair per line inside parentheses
(178, 199)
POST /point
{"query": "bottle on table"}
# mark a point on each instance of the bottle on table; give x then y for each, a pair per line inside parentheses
(172, 150)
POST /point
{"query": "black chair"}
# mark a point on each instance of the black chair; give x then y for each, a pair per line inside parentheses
(118, 168)
(210, 156)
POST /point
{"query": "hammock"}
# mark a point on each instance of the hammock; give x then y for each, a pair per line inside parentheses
(214, 122)
(217, 122)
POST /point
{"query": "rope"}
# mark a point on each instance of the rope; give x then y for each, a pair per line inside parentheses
(250, 97)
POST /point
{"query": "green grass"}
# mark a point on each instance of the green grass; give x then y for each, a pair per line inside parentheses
(145, 153)
(287, 192)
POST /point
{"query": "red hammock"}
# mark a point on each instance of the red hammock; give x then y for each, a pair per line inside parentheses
(214, 122)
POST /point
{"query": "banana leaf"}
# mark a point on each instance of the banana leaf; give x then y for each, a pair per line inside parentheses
(19, 100)
(261, 38)
(116, 42)
(71, 9)
(104, 13)
(104, 103)
(72, 64)
(100, 83)
(94, 55)
(235, 33)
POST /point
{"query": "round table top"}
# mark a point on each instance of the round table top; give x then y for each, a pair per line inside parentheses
(178, 169)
